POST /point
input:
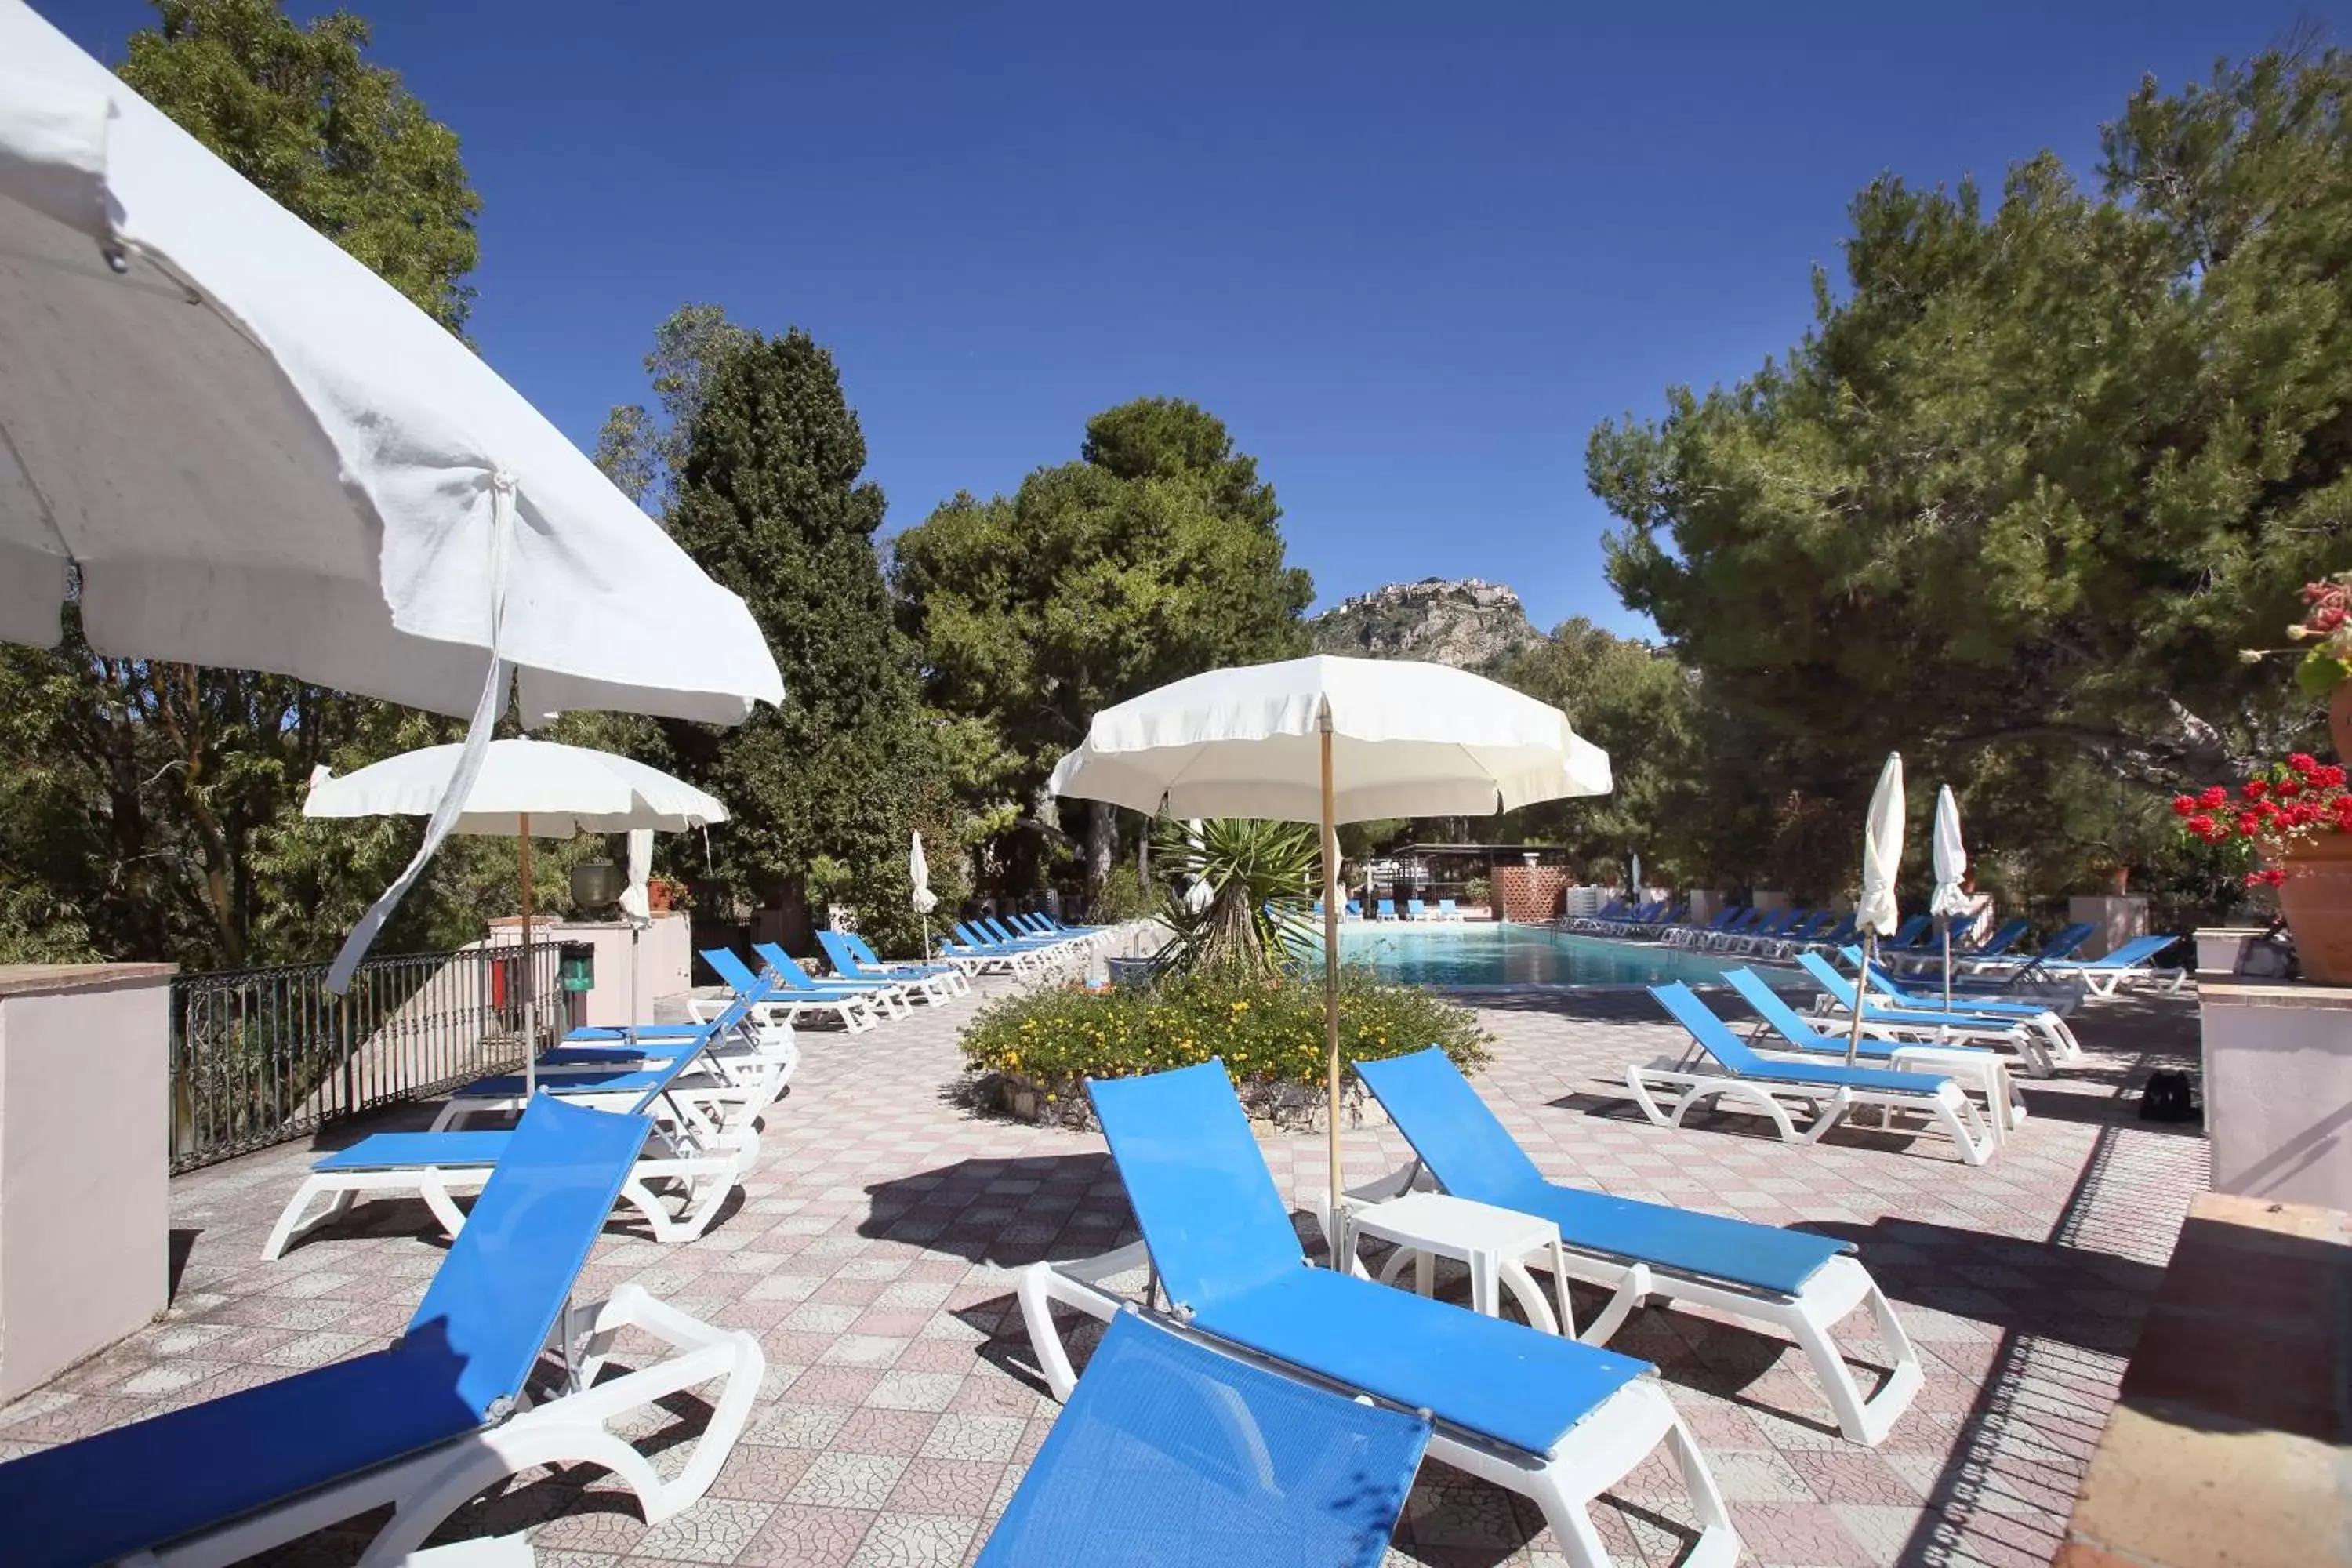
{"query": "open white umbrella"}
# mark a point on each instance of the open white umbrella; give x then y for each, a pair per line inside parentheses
(1881, 858)
(1328, 741)
(919, 876)
(1951, 900)
(523, 789)
(235, 445)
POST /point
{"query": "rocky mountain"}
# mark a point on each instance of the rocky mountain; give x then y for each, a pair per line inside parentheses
(1465, 624)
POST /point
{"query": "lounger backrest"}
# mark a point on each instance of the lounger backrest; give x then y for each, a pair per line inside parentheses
(1200, 1188)
(2002, 940)
(785, 965)
(1445, 906)
(731, 970)
(837, 949)
(997, 928)
(1158, 1422)
(1713, 1035)
(1782, 1018)
(1827, 977)
(510, 1273)
(2137, 951)
(971, 938)
(1471, 1154)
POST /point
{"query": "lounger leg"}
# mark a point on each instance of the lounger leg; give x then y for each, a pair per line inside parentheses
(290, 1221)
(1043, 1284)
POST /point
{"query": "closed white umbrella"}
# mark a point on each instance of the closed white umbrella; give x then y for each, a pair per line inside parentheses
(1881, 858)
(919, 877)
(1328, 739)
(1200, 894)
(1951, 900)
(522, 789)
(636, 908)
(1636, 892)
(235, 445)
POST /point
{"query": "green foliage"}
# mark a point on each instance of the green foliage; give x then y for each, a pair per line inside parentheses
(1123, 897)
(1268, 1033)
(334, 140)
(771, 502)
(1154, 557)
(1262, 876)
(154, 810)
(2036, 474)
(2043, 470)
(642, 453)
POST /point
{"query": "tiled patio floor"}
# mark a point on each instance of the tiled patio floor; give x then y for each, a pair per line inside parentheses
(874, 1250)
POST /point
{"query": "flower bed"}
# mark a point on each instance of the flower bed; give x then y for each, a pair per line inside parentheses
(1032, 1052)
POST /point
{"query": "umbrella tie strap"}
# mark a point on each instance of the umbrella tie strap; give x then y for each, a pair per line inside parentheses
(479, 731)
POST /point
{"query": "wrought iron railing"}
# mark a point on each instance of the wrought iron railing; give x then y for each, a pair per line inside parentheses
(263, 1056)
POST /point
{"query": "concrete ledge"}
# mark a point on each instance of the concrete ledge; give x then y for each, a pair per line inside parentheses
(49, 979)
(2228, 1447)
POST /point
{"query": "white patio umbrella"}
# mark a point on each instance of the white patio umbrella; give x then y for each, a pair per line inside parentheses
(1635, 893)
(1950, 901)
(233, 445)
(523, 789)
(1882, 858)
(1328, 741)
(1199, 895)
(919, 876)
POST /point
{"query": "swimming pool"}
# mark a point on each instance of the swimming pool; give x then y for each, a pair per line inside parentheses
(1499, 954)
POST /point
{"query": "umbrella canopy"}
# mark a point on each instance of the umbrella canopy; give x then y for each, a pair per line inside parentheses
(257, 453)
(1951, 859)
(558, 790)
(1875, 914)
(1327, 740)
(1881, 852)
(1407, 739)
(522, 789)
(1636, 879)
(918, 874)
(1950, 901)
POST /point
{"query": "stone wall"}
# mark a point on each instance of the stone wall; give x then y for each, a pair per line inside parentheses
(1530, 893)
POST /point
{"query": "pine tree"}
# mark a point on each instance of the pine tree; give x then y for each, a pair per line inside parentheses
(770, 503)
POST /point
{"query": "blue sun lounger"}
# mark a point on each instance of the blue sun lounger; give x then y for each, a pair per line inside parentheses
(1169, 1453)
(2026, 1033)
(2050, 1041)
(1742, 1081)
(1801, 1285)
(428, 1424)
(889, 998)
(856, 960)
(689, 1164)
(1385, 909)
(1551, 1419)
(853, 1008)
(2102, 975)
(1782, 1028)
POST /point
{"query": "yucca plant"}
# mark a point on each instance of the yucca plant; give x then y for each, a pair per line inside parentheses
(1261, 879)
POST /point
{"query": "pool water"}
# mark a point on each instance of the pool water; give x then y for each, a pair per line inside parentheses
(1487, 953)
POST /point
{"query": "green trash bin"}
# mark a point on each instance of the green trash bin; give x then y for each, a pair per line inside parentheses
(575, 966)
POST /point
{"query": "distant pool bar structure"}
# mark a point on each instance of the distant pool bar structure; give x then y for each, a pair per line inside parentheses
(1502, 954)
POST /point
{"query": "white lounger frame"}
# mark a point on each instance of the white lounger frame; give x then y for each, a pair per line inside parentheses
(1593, 1455)
(698, 1179)
(1835, 1289)
(2044, 1044)
(572, 1427)
(1945, 1105)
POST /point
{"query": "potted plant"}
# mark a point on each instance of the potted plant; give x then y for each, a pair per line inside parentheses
(2296, 816)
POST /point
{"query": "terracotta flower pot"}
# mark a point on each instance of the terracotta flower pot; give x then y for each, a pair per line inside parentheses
(2317, 898)
(657, 896)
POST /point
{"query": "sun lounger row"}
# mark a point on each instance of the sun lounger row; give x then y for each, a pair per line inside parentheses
(1414, 909)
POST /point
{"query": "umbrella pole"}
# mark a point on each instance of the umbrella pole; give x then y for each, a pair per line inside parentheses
(1948, 964)
(1332, 1220)
(1861, 994)
(529, 998)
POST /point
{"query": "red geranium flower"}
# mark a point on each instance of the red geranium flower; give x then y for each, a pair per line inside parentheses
(2303, 763)
(2249, 824)
(2214, 799)
(2270, 878)
(2290, 786)
(2332, 776)
(2257, 788)
(2184, 806)
(2204, 827)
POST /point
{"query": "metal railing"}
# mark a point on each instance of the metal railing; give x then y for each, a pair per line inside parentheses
(265, 1055)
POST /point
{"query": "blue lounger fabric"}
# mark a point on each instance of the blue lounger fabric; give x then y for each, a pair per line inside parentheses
(463, 1360)
(1227, 1254)
(1169, 1453)
(1472, 1155)
(404, 1151)
(1714, 1036)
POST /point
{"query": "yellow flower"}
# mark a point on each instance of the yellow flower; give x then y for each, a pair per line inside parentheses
(1241, 1006)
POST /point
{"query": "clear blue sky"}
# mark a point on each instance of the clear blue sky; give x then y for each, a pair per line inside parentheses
(1411, 254)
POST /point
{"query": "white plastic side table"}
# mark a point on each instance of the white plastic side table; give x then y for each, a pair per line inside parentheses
(1493, 1241)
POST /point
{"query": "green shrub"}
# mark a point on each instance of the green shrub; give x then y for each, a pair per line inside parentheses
(1044, 1043)
(1123, 897)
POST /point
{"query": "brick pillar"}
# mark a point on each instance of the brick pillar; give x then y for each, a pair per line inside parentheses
(1530, 893)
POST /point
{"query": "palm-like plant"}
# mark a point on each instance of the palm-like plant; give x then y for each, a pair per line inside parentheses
(1260, 879)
